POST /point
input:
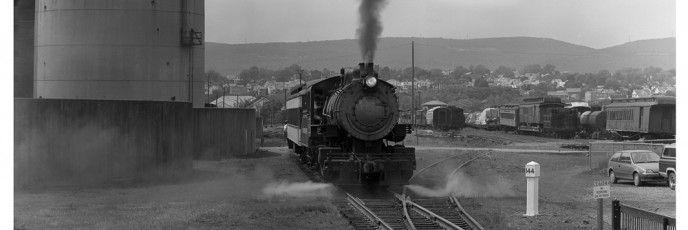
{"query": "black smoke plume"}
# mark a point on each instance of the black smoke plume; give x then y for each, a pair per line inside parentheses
(370, 27)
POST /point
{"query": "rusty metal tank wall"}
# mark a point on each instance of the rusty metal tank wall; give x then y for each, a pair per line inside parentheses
(119, 49)
(68, 142)
(24, 20)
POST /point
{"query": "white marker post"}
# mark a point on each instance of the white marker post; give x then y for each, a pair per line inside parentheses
(532, 177)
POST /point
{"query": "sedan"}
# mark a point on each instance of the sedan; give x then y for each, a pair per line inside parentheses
(637, 165)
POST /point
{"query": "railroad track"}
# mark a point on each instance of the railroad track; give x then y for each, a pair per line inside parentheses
(524, 139)
(402, 212)
(405, 212)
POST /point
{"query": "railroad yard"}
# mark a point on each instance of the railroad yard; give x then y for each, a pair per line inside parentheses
(269, 190)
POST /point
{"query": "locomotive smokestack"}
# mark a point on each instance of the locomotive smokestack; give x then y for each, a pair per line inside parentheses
(370, 27)
(369, 69)
(362, 69)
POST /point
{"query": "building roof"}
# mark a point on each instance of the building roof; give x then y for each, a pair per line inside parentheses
(434, 103)
(642, 101)
(573, 90)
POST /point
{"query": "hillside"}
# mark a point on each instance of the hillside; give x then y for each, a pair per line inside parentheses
(443, 54)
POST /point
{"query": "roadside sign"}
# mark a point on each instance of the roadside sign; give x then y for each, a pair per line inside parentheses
(601, 189)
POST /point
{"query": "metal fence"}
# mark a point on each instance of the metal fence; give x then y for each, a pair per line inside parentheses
(629, 218)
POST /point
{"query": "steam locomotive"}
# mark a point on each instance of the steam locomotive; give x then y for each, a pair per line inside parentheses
(346, 127)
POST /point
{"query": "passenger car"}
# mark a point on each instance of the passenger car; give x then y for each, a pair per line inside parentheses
(637, 165)
(667, 165)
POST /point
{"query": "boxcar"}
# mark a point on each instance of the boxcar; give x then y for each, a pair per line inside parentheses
(508, 117)
(547, 116)
(445, 118)
(650, 117)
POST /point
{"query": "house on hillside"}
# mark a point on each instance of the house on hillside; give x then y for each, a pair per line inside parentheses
(394, 82)
(238, 90)
(273, 86)
(259, 90)
(232, 101)
(560, 94)
(558, 82)
(575, 94)
(641, 93)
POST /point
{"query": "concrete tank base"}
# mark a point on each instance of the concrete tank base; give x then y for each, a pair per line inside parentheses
(66, 142)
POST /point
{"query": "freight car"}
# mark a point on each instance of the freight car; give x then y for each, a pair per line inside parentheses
(648, 118)
(546, 116)
(342, 126)
(508, 117)
(488, 119)
(445, 118)
(472, 119)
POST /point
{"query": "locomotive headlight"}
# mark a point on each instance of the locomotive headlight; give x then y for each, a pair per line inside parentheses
(371, 81)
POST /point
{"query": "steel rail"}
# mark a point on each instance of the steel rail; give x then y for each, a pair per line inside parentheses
(469, 161)
(360, 206)
(433, 164)
(431, 215)
(407, 217)
(464, 214)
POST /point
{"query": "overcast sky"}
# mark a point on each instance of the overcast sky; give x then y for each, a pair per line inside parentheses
(593, 23)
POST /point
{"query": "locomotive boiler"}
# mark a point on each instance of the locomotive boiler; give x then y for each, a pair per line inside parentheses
(347, 128)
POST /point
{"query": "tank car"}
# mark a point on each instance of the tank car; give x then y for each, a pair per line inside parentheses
(347, 127)
(593, 125)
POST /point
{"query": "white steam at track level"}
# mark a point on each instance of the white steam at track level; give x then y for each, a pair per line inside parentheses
(370, 27)
(298, 189)
(466, 186)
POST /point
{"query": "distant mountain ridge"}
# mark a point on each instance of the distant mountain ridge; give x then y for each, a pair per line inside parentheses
(445, 54)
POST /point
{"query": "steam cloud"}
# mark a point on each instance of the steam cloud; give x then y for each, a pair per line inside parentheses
(370, 27)
(298, 189)
(462, 185)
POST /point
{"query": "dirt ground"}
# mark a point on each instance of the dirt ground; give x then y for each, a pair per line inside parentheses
(232, 194)
(228, 194)
(493, 190)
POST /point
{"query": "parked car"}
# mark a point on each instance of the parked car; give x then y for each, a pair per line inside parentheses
(637, 165)
(667, 165)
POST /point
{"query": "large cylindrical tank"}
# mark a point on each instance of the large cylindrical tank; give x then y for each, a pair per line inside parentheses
(120, 49)
(596, 120)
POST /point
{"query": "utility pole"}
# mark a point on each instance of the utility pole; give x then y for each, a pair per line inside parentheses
(300, 73)
(413, 84)
(419, 101)
(224, 92)
(208, 92)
